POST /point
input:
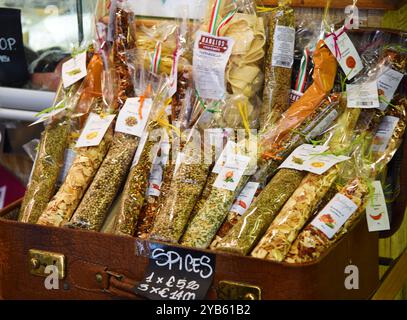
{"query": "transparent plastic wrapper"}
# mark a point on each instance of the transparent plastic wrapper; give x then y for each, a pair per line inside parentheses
(187, 184)
(137, 181)
(277, 240)
(249, 229)
(314, 125)
(277, 75)
(324, 76)
(93, 208)
(209, 217)
(311, 242)
(81, 173)
(49, 159)
(243, 73)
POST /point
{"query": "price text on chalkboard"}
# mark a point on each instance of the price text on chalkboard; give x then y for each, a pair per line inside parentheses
(177, 274)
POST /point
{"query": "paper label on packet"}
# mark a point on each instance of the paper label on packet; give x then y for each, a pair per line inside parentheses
(295, 96)
(231, 172)
(363, 95)
(131, 119)
(283, 47)
(333, 216)
(94, 130)
(310, 158)
(377, 215)
(348, 57)
(210, 57)
(230, 148)
(245, 198)
(387, 84)
(155, 181)
(384, 133)
(74, 69)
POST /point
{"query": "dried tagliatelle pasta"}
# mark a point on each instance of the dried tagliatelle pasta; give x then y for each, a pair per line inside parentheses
(278, 64)
(84, 167)
(49, 159)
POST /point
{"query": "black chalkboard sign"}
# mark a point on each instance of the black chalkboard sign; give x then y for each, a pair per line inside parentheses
(13, 65)
(177, 274)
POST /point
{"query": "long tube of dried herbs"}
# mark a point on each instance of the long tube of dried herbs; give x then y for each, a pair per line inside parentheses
(93, 208)
(278, 64)
(80, 175)
(186, 187)
(48, 162)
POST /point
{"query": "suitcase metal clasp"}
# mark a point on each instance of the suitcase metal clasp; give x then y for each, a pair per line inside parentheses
(229, 290)
(39, 260)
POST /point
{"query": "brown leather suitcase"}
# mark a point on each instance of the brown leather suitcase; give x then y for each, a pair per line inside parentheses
(103, 266)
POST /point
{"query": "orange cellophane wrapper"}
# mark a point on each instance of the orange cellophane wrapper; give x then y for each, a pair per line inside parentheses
(324, 76)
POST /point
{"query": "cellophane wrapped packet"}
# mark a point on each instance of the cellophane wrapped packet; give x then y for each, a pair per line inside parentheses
(50, 157)
(278, 63)
(135, 188)
(188, 181)
(86, 160)
(95, 204)
(314, 241)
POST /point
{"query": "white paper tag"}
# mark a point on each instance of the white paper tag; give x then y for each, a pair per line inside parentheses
(3, 190)
(140, 148)
(345, 53)
(363, 95)
(229, 149)
(94, 130)
(334, 215)
(245, 198)
(131, 120)
(387, 84)
(155, 181)
(376, 210)
(211, 54)
(283, 47)
(384, 133)
(69, 158)
(309, 158)
(232, 171)
(74, 69)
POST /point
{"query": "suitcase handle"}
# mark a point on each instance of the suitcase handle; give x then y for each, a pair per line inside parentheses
(120, 285)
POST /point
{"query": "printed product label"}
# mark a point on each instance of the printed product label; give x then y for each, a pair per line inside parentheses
(232, 171)
(334, 215)
(363, 95)
(210, 57)
(295, 96)
(155, 181)
(384, 133)
(132, 119)
(283, 47)
(74, 69)
(94, 130)
(245, 198)
(231, 147)
(310, 158)
(387, 84)
(345, 52)
(376, 210)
